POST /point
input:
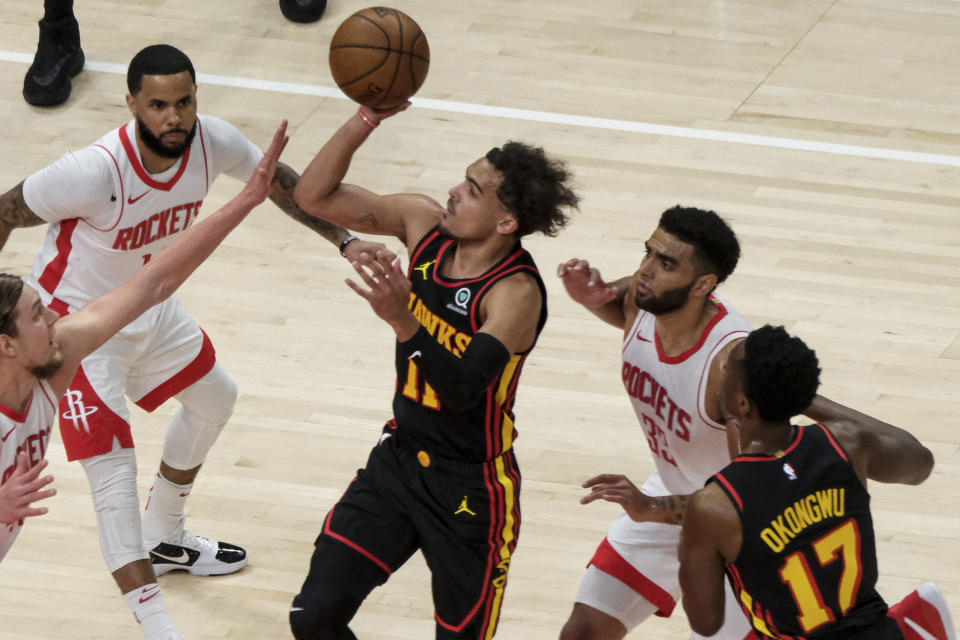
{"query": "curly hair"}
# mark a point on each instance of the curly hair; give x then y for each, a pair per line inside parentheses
(715, 245)
(10, 289)
(157, 60)
(780, 373)
(534, 187)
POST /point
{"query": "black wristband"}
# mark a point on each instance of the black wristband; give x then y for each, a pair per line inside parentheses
(346, 241)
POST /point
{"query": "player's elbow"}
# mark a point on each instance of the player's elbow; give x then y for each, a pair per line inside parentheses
(923, 465)
(702, 620)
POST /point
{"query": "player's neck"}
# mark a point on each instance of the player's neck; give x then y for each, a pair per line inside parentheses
(16, 387)
(680, 330)
(473, 258)
(769, 438)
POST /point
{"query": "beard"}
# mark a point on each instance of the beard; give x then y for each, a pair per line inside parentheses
(666, 302)
(48, 368)
(156, 145)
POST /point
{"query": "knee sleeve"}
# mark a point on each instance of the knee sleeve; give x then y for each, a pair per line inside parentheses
(113, 484)
(323, 616)
(207, 405)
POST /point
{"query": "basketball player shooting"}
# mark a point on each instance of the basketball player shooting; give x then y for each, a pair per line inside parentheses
(40, 352)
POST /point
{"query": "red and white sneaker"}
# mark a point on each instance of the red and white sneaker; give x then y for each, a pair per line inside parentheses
(923, 615)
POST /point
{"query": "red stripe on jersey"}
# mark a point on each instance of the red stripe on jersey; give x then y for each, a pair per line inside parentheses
(793, 445)
(427, 239)
(720, 315)
(119, 180)
(142, 173)
(15, 416)
(836, 446)
(612, 563)
(495, 277)
(733, 493)
(438, 279)
(53, 272)
(203, 148)
(200, 367)
(61, 307)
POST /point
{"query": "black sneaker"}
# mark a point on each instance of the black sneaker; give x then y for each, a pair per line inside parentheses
(303, 10)
(59, 58)
(200, 556)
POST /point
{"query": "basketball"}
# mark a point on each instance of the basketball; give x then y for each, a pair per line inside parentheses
(379, 57)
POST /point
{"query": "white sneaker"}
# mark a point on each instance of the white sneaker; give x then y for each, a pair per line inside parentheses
(925, 612)
(200, 556)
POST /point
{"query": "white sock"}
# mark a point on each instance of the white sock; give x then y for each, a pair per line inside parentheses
(164, 510)
(147, 606)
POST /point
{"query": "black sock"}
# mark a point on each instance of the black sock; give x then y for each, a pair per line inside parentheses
(56, 10)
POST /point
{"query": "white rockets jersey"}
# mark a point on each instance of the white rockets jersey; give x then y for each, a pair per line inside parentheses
(667, 394)
(108, 216)
(27, 432)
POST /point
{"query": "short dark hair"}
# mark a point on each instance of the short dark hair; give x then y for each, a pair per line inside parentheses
(780, 373)
(10, 289)
(534, 187)
(715, 245)
(157, 60)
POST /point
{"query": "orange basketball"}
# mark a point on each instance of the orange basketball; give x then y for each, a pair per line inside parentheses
(379, 57)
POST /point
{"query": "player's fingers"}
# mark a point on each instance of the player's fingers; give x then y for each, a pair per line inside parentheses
(39, 483)
(22, 465)
(603, 478)
(41, 495)
(361, 268)
(360, 291)
(31, 512)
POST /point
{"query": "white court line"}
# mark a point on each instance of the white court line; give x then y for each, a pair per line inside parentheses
(556, 118)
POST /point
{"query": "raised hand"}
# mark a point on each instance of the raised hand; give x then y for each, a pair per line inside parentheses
(377, 250)
(258, 186)
(23, 488)
(584, 284)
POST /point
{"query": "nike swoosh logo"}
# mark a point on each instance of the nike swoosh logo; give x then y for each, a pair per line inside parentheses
(47, 79)
(4, 438)
(183, 558)
(184, 495)
(131, 200)
(923, 633)
(156, 592)
(295, 609)
(644, 339)
(415, 354)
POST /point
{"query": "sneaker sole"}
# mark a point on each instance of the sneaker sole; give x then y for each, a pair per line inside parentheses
(221, 570)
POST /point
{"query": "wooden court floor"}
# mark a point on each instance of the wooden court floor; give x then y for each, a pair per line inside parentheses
(852, 242)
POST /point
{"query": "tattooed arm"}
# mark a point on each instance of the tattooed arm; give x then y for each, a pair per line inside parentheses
(321, 191)
(638, 505)
(14, 213)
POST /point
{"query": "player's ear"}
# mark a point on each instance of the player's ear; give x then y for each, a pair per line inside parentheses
(7, 347)
(704, 285)
(507, 224)
(131, 105)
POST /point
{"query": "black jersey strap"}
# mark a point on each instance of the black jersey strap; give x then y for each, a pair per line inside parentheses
(459, 382)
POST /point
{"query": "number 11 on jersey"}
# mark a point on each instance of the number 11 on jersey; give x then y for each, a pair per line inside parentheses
(411, 388)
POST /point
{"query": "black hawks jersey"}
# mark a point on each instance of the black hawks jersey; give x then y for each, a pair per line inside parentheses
(449, 309)
(807, 567)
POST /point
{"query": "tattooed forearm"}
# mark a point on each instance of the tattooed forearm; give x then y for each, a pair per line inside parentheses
(673, 508)
(14, 213)
(281, 193)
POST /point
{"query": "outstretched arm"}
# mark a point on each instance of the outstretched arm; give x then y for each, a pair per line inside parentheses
(81, 332)
(321, 192)
(710, 536)
(606, 300)
(878, 450)
(639, 506)
(15, 213)
(281, 193)
(22, 489)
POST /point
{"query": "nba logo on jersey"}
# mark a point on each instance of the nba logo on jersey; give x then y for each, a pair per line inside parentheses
(787, 469)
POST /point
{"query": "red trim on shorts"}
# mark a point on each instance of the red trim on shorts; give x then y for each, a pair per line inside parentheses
(200, 367)
(142, 173)
(53, 272)
(607, 559)
(353, 545)
(87, 425)
(720, 315)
